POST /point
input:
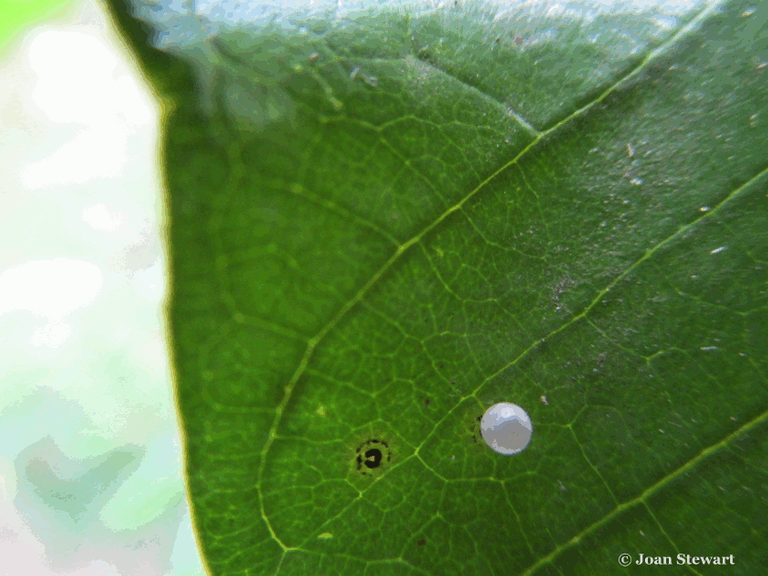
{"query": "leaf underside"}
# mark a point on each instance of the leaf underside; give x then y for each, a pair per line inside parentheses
(383, 223)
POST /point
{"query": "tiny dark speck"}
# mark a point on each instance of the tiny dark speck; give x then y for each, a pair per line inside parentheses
(422, 542)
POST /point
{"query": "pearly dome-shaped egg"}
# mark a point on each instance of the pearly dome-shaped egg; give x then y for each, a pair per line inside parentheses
(506, 428)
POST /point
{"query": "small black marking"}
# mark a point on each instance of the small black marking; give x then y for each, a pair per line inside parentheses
(427, 401)
(422, 542)
(372, 458)
(370, 455)
(474, 428)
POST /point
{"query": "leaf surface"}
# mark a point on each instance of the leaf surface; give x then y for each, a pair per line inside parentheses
(384, 219)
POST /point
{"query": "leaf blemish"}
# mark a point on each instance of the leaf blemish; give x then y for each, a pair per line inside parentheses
(371, 455)
(560, 287)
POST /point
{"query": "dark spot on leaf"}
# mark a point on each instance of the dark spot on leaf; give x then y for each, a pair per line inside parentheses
(422, 542)
(371, 455)
(373, 458)
(518, 40)
(427, 401)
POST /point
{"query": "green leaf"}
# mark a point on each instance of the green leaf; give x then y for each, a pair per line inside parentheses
(384, 219)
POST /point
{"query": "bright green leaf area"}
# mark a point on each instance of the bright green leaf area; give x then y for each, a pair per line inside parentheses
(382, 224)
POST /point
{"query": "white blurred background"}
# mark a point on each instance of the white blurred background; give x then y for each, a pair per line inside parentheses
(90, 464)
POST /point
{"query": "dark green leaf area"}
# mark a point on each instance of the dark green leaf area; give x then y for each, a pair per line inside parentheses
(542, 65)
(381, 227)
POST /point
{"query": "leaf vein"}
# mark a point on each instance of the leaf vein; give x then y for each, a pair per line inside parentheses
(507, 109)
(642, 498)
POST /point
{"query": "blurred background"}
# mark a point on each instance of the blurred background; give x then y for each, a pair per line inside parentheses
(90, 461)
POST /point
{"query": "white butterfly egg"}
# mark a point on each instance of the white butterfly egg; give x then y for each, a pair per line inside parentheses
(506, 428)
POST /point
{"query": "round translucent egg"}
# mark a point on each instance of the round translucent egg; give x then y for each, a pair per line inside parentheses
(506, 428)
